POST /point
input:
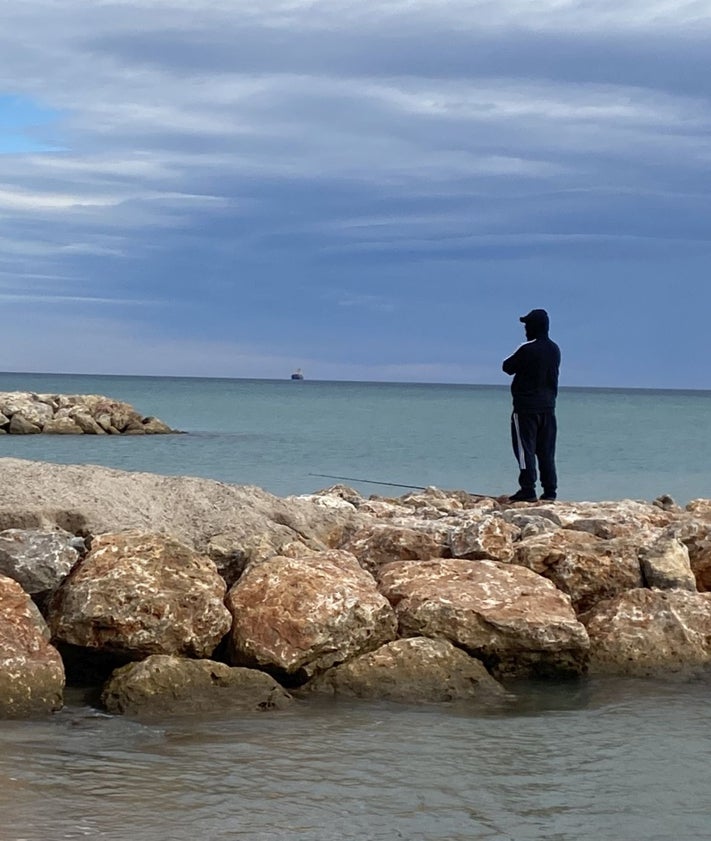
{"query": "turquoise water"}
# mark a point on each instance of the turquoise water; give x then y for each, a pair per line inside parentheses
(612, 443)
(610, 760)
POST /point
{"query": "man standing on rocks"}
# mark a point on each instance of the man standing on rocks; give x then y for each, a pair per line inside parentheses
(534, 367)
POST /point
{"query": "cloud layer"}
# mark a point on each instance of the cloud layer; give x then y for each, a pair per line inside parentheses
(364, 190)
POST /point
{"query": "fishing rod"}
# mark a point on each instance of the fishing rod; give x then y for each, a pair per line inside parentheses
(390, 484)
(368, 481)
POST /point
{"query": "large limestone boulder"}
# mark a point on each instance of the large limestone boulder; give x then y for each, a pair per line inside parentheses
(650, 633)
(232, 556)
(38, 560)
(31, 670)
(666, 565)
(382, 543)
(623, 518)
(82, 419)
(90, 500)
(585, 567)
(414, 670)
(20, 425)
(138, 594)
(695, 534)
(168, 685)
(62, 426)
(31, 407)
(517, 622)
(489, 537)
(303, 615)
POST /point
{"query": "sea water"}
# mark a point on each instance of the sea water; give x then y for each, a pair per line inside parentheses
(292, 437)
(592, 760)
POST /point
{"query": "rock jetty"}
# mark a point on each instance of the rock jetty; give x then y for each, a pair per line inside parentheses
(28, 413)
(168, 595)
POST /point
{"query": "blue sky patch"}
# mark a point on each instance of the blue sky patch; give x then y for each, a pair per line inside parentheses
(25, 125)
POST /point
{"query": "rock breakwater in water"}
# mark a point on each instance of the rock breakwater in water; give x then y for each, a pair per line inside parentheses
(28, 413)
(173, 594)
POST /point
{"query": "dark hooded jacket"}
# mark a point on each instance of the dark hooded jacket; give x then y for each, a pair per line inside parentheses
(535, 367)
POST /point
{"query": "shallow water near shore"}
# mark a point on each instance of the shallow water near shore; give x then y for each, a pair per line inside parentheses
(610, 760)
(568, 762)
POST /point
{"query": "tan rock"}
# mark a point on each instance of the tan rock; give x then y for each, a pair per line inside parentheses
(85, 422)
(530, 525)
(31, 407)
(88, 499)
(431, 504)
(92, 413)
(62, 426)
(103, 419)
(650, 633)
(517, 622)
(167, 685)
(695, 534)
(155, 426)
(303, 615)
(666, 565)
(20, 425)
(343, 492)
(86, 402)
(232, 556)
(31, 670)
(326, 500)
(411, 670)
(489, 537)
(124, 417)
(585, 567)
(623, 518)
(382, 543)
(139, 594)
(134, 427)
(700, 508)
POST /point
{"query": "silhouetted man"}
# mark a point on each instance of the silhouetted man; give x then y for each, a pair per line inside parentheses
(534, 388)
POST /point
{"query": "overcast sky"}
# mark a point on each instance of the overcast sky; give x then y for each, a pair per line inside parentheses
(365, 190)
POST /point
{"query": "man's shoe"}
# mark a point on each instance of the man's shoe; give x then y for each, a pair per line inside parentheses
(523, 496)
(548, 497)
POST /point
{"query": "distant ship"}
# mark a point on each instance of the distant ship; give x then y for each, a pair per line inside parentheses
(297, 375)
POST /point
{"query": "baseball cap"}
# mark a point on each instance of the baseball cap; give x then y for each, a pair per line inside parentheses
(535, 315)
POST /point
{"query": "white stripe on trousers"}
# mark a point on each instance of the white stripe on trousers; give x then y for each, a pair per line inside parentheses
(521, 454)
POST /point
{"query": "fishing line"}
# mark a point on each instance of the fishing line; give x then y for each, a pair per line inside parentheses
(368, 481)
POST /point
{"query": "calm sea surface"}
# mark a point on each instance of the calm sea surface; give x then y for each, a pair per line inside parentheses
(567, 762)
(612, 443)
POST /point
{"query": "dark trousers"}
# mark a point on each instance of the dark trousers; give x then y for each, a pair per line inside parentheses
(533, 436)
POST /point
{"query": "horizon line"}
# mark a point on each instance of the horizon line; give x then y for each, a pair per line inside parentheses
(352, 381)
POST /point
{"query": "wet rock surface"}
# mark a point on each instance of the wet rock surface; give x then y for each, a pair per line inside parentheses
(167, 685)
(411, 670)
